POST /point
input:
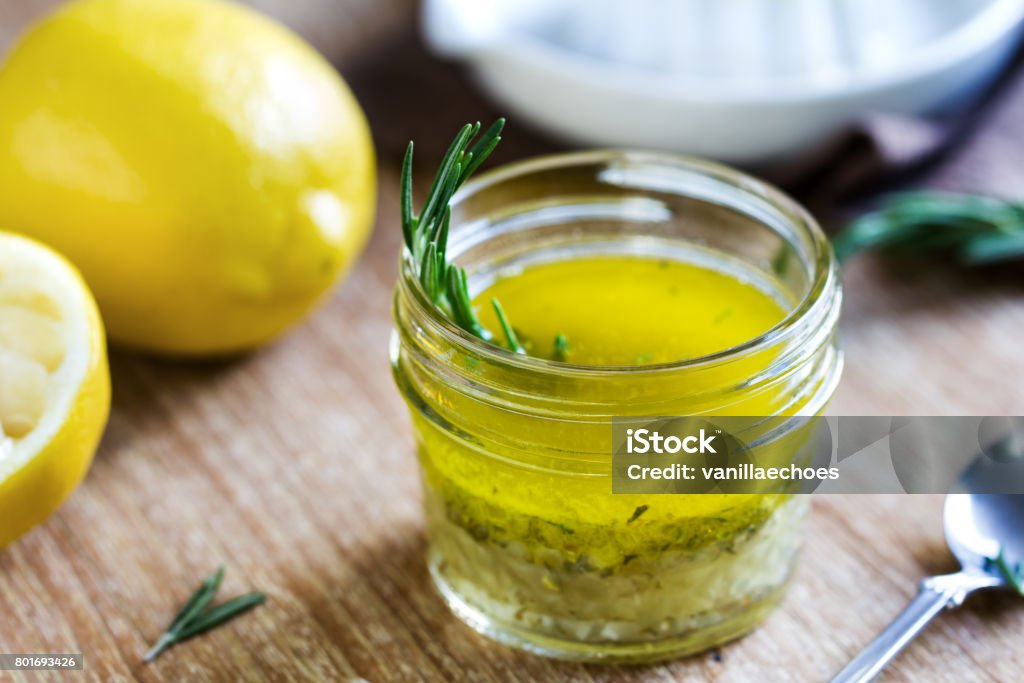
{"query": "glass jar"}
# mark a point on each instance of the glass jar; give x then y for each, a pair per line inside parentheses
(527, 542)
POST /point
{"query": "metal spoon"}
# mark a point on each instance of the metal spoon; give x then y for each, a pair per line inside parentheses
(978, 527)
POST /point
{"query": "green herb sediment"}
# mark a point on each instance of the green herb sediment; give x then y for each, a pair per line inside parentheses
(580, 545)
(510, 335)
(975, 229)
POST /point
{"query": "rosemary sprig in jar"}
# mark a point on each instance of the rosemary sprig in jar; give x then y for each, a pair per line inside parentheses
(974, 229)
(426, 235)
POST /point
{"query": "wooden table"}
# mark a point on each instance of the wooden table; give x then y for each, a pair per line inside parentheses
(294, 467)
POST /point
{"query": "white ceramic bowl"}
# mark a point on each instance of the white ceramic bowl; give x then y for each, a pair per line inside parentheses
(743, 81)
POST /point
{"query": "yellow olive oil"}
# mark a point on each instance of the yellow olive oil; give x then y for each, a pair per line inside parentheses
(614, 311)
(519, 501)
(630, 310)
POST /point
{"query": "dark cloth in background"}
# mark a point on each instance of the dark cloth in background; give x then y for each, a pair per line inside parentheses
(979, 147)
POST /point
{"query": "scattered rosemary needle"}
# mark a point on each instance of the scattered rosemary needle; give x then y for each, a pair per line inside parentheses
(637, 513)
(196, 616)
(975, 229)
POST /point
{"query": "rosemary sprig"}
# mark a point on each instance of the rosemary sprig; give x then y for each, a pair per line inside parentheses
(975, 229)
(510, 335)
(196, 616)
(426, 234)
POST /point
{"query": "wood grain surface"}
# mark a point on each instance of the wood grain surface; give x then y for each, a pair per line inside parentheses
(294, 467)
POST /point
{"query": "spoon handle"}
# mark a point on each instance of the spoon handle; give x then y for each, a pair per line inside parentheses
(935, 594)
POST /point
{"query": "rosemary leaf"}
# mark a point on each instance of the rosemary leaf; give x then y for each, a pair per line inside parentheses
(442, 237)
(408, 224)
(462, 306)
(993, 249)
(450, 186)
(483, 148)
(974, 229)
(510, 335)
(561, 348)
(429, 274)
(435, 197)
(873, 231)
(440, 270)
(215, 616)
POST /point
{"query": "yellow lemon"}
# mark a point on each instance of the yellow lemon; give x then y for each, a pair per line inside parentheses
(209, 173)
(54, 384)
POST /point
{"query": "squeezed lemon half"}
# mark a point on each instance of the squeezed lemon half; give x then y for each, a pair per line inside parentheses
(54, 382)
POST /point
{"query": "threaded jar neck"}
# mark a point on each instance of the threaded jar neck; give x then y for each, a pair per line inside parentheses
(636, 203)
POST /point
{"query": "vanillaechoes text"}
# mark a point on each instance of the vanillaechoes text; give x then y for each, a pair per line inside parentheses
(781, 455)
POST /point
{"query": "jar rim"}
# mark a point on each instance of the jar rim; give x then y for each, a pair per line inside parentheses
(822, 258)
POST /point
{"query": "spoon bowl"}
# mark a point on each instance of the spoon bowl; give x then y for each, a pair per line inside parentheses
(980, 526)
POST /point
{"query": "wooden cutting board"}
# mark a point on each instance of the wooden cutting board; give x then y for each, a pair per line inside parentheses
(294, 467)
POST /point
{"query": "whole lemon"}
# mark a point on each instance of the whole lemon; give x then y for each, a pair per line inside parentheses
(207, 171)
